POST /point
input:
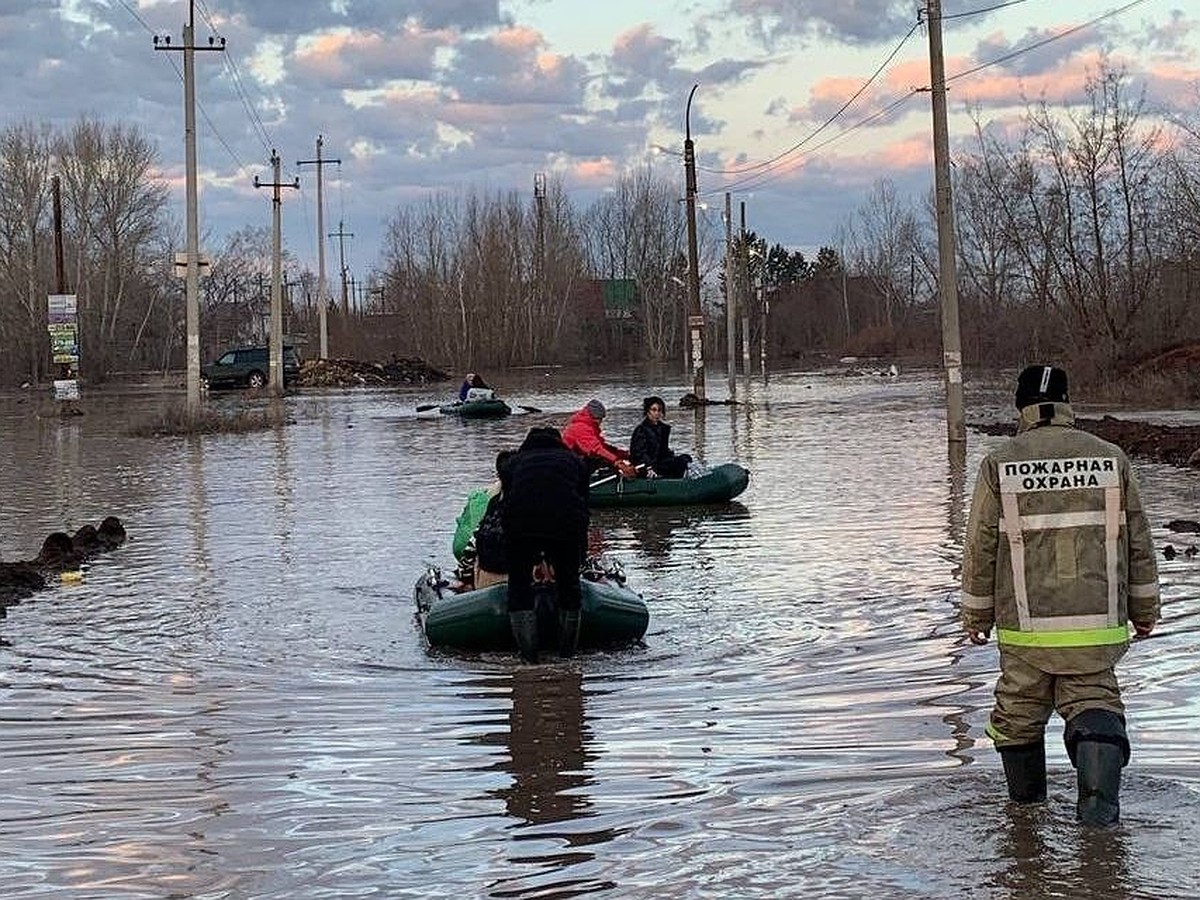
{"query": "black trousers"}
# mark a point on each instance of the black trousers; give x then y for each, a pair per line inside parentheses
(673, 466)
(564, 553)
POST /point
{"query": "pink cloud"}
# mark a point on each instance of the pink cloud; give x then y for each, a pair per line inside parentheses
(595, 171)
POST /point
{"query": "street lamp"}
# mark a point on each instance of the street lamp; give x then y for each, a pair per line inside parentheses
(695, 317)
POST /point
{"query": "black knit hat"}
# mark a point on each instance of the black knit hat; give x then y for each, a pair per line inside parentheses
(1041, 384)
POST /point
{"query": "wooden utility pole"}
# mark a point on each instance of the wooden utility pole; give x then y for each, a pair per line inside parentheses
(192, 290)
(322, 281)
(275, 342)
(60, 269)
(695, 317)
(341, 234)
(956, 429)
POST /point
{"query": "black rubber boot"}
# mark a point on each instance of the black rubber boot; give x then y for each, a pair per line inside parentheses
(525, 631)
(1099, 749)
(1098, 771)
(568, 632)
(1025, 772)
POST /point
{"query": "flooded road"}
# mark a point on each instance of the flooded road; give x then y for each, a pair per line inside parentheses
(237, 703)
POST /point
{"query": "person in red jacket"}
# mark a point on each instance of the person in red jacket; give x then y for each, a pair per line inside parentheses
(582, 435)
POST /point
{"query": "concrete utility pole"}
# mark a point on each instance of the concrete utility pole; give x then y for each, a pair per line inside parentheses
(733, 284)
(695, 317)
(193, 226)
(322, 281)
(275, 342)
(341, 234)
(539, 276)
(748, 294)
(956, 429)
(745, 291)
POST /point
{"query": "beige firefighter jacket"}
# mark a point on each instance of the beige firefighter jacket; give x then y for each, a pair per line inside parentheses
(1058, 553)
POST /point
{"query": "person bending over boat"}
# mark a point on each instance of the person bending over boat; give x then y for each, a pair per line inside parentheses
(650, 445)
(582, 435)
(545, 516)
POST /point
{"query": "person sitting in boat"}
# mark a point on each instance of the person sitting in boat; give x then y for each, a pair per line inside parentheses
(491, 561)
(650, 445)
(545, 517)
(474, 388)
(582, 435)
(480, 556)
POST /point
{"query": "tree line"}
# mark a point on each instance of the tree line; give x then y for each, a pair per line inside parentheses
(1075, 233)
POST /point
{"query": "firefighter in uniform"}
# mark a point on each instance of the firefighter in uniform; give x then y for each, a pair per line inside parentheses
(1059, 559)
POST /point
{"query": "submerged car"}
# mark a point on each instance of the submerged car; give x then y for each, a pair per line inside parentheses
(248, 367)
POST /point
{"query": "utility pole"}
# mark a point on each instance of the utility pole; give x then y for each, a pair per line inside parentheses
(695, 316)
(733, 283)
(956, 429)
(539, 199)
(745, 291)
(275, 342)
(322, 282)
(192, 290)
(341, 234)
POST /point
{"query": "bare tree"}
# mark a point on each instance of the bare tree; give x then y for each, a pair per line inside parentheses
(115, 211)
(24, 198)
(636, 232)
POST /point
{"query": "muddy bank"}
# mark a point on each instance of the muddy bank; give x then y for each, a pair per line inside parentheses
(1174, 444)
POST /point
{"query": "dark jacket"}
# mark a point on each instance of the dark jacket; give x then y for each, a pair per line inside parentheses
(650, 444)
(545, 489)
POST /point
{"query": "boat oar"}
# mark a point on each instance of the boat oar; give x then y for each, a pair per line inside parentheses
(425, 407)
(529, 409)
(606, 479)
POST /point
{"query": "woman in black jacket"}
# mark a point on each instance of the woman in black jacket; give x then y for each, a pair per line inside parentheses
(650, 445)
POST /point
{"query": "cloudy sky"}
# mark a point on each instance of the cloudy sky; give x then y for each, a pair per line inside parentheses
(421, 96)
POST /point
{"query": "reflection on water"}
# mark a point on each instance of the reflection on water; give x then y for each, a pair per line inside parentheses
(546, 740)
(1047, 858)
(236, 703)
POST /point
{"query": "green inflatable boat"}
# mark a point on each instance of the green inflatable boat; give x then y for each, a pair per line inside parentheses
(476, 409)
(719, 485)
(612, 615)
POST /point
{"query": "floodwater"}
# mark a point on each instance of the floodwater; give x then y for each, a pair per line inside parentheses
(237, 703)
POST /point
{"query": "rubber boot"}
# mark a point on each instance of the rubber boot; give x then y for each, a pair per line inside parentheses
(568, 632)
(1099, 749)
(1098, 771)
(1025, 772)
(525, 631)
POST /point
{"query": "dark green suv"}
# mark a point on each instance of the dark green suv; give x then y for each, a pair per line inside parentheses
(248, 367)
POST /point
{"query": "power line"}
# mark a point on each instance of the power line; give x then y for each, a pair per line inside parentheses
(980, 12)
(1036, 45)
(764, 177)
(866, 84)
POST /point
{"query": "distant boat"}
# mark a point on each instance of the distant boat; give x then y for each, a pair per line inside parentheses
(492, 408)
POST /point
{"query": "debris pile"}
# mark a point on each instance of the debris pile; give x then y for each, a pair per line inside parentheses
(352, 373)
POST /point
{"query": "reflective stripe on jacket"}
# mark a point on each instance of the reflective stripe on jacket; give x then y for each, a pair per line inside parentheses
(1058, 553)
